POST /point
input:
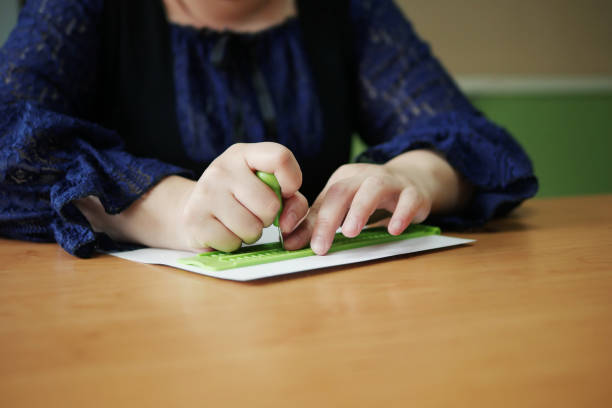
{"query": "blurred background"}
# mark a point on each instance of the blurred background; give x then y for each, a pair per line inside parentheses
(542, 69)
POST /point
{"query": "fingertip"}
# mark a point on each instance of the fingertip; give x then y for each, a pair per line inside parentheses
(252, 240)
(319, 245)
(350, 229)
(396, 226)
(295, 209)
(299, 238)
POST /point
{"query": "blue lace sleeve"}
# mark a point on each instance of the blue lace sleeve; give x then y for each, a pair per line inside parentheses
(50, 154)
(408, 101)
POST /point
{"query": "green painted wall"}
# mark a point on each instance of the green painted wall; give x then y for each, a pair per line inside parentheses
(8, 18)
(568, 137)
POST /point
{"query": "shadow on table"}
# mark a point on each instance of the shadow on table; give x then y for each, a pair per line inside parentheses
(513, 222)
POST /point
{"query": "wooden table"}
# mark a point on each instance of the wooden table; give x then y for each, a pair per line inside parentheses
(521, 318)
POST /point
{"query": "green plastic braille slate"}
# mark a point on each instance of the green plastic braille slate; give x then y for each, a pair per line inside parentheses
(273, 252)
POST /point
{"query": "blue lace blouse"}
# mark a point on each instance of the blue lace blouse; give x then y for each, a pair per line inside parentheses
(52, 152)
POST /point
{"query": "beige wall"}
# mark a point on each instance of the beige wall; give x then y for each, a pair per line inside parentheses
(517, 37)
(505, 37)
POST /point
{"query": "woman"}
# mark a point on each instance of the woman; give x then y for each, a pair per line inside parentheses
(144, 121)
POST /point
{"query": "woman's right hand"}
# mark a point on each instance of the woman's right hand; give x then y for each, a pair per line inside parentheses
(228, 205)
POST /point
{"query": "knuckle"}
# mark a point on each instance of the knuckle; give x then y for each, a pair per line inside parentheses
(351, 169)
(236, 147)
(374, 182)
(347, 167)
(284, 156)
(344, 170)
(411, 192)
(212, 173)
(229, 155)
(338, 189)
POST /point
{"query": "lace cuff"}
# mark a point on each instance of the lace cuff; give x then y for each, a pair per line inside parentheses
(48, 160)
(482, 152)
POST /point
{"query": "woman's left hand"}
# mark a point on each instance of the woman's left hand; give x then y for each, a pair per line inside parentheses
(351, 196)
(409, 186)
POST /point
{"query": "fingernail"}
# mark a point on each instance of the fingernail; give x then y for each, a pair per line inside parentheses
(318, 244)
(396, 226)
(350, 226)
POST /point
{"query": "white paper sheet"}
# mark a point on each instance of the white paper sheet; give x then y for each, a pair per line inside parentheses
(170, 257)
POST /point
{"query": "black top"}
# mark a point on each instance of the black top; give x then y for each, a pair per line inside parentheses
(139, 100)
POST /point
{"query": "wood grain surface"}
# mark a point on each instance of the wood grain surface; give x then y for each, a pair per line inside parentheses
(521, 318)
